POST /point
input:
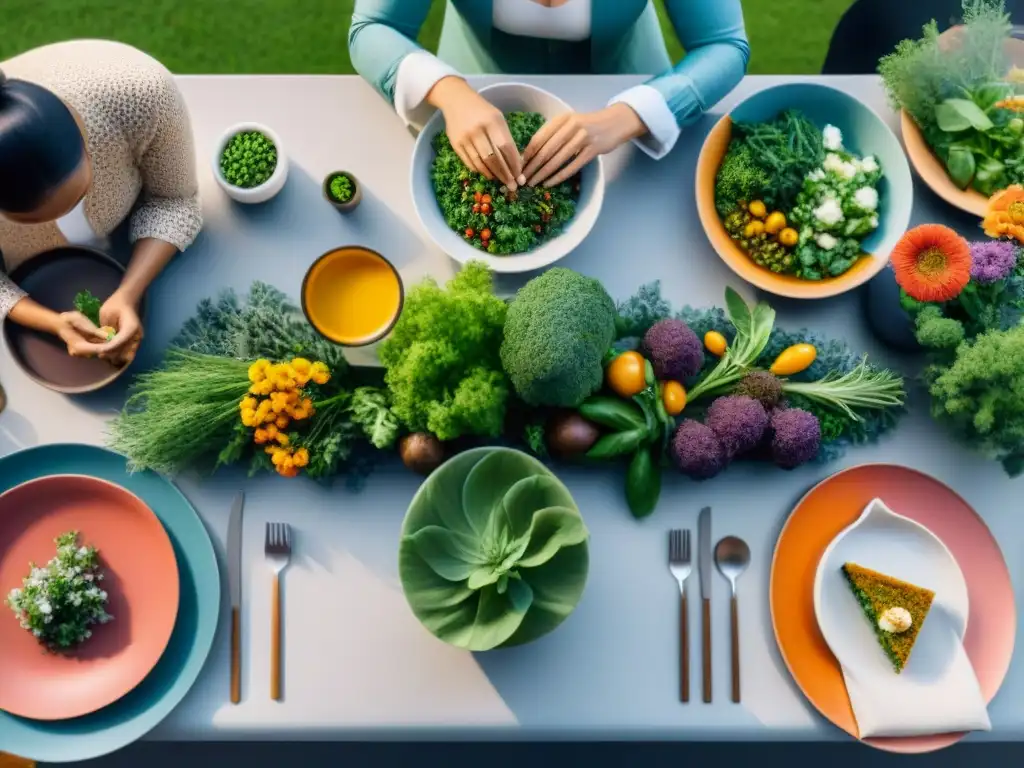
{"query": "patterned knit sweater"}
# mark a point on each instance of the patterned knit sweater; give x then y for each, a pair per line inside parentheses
(139, 140)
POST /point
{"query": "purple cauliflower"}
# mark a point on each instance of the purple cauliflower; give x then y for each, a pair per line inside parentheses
(992, 260)
(697, 451)
(796, 435)
(674, 350)
(739, 422)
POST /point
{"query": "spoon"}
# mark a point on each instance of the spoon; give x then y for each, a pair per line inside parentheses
(732, 556)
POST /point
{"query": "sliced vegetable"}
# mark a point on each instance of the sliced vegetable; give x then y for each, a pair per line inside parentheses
(794, 359)
(627, 376)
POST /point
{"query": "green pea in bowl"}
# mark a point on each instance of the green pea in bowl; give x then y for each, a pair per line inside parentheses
(252, 188)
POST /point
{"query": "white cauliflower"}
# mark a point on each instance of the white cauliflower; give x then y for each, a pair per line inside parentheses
(832, 138)
(829, 213)
(825, 241)
(868, 164)
(866, 198)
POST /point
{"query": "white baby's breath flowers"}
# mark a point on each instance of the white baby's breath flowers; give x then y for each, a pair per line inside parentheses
(60, 602)
(832, 138)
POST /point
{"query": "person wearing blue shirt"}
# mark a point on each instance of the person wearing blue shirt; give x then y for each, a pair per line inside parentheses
(530, 37)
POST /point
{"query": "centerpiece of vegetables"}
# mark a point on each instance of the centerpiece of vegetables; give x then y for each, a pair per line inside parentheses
(795, 198)
(488, 215)
(965, 95)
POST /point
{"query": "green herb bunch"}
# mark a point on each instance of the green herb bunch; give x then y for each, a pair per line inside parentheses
(488, 215)
(89, 306)
(60, 602)
(960, 92)
(341, 188)
(248, 160)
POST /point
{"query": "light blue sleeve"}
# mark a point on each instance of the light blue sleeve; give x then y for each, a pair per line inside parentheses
(383, 32)
(717, 53)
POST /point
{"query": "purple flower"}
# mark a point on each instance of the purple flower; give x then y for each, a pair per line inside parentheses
(674, 350)
(739, 423)
(992, 260)
(796, 437)
(696, 450)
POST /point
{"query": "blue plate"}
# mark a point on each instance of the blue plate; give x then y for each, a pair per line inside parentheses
(131, 717)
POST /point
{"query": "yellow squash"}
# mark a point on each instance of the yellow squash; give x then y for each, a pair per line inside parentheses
(794, 359)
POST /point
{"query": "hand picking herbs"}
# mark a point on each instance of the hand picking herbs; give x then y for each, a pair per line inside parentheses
(90, 306)
(488, 215)
(60, 602)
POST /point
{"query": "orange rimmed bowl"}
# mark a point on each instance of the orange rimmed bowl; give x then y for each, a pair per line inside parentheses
(928, 166)
(864, 133)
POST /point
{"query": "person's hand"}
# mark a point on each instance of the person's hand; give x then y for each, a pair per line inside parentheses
(569, 141)
(83, 339)
(478, 131)
(121, 313)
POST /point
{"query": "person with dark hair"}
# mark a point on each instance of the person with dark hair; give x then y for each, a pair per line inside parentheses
(91, 133)
(870, 29)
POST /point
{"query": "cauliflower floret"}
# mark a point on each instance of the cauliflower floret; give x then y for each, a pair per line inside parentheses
(829, 213)
(866, 198)
(835, 164)
(869, 164)
(832, 138)
(825, 241)
(816, 175)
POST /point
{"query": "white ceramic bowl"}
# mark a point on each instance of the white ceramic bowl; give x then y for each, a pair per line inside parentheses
(508, 97)
(267, 189)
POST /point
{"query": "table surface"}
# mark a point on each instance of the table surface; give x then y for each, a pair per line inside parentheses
(357, 663)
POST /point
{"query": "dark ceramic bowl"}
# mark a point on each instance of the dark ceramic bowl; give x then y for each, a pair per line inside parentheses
(53, 279)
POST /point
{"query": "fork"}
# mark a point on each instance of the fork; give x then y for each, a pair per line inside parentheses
(680, 565)
(278, 551)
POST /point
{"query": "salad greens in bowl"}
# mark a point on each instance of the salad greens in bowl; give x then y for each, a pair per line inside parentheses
(803, 190)
(493, 550)
(470, 217)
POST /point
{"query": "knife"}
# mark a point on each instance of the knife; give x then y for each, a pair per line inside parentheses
(235, 588)
(704, 564)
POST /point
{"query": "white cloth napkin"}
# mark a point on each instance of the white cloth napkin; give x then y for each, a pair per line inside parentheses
(931, 699)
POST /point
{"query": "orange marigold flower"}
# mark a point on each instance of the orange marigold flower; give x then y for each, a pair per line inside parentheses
(301, 457)
(260, 436)
(282, 438)
(932, 263)
(1005, 216)
(282, 422)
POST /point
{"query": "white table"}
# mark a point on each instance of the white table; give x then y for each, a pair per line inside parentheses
(358, 665)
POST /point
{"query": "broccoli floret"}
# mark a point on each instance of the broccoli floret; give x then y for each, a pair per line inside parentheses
(935, 331)
(739, 178)
(557, 331)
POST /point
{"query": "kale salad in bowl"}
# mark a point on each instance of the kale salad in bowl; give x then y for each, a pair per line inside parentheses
(471, 217)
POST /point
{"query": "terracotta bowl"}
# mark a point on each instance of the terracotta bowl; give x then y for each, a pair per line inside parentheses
(864, 132)
(929, 167)
(53, 279)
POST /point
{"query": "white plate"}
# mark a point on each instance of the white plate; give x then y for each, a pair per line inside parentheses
(899, 547)
(508, 97)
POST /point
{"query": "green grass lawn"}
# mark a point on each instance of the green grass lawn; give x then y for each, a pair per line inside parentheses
(296, 36)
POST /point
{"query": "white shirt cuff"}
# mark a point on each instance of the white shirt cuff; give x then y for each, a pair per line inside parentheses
(417, 74)
(653, 110)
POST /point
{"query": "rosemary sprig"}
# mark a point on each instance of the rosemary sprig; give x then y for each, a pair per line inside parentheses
(865, 387)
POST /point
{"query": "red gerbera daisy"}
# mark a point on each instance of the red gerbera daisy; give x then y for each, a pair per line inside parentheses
(932, 263)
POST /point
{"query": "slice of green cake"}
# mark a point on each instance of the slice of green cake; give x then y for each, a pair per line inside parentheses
(896, 609)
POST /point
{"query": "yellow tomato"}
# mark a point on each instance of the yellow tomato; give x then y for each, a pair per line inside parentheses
(673, 396)
(626, 374)
(794, 359)
(757, 208)
(715, 343)
(789, 237)
(753, 228)
(776, 221)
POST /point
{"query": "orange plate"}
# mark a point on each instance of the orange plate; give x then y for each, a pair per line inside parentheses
(140, 576)
(819, 517)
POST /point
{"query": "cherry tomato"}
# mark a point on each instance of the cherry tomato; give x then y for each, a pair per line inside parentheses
(547, 195)
(485, 198)
(469, 232)
(485, 208)
(673, 396)
(476, 197)
(626, 376)
(476, 208)
(485, 234)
